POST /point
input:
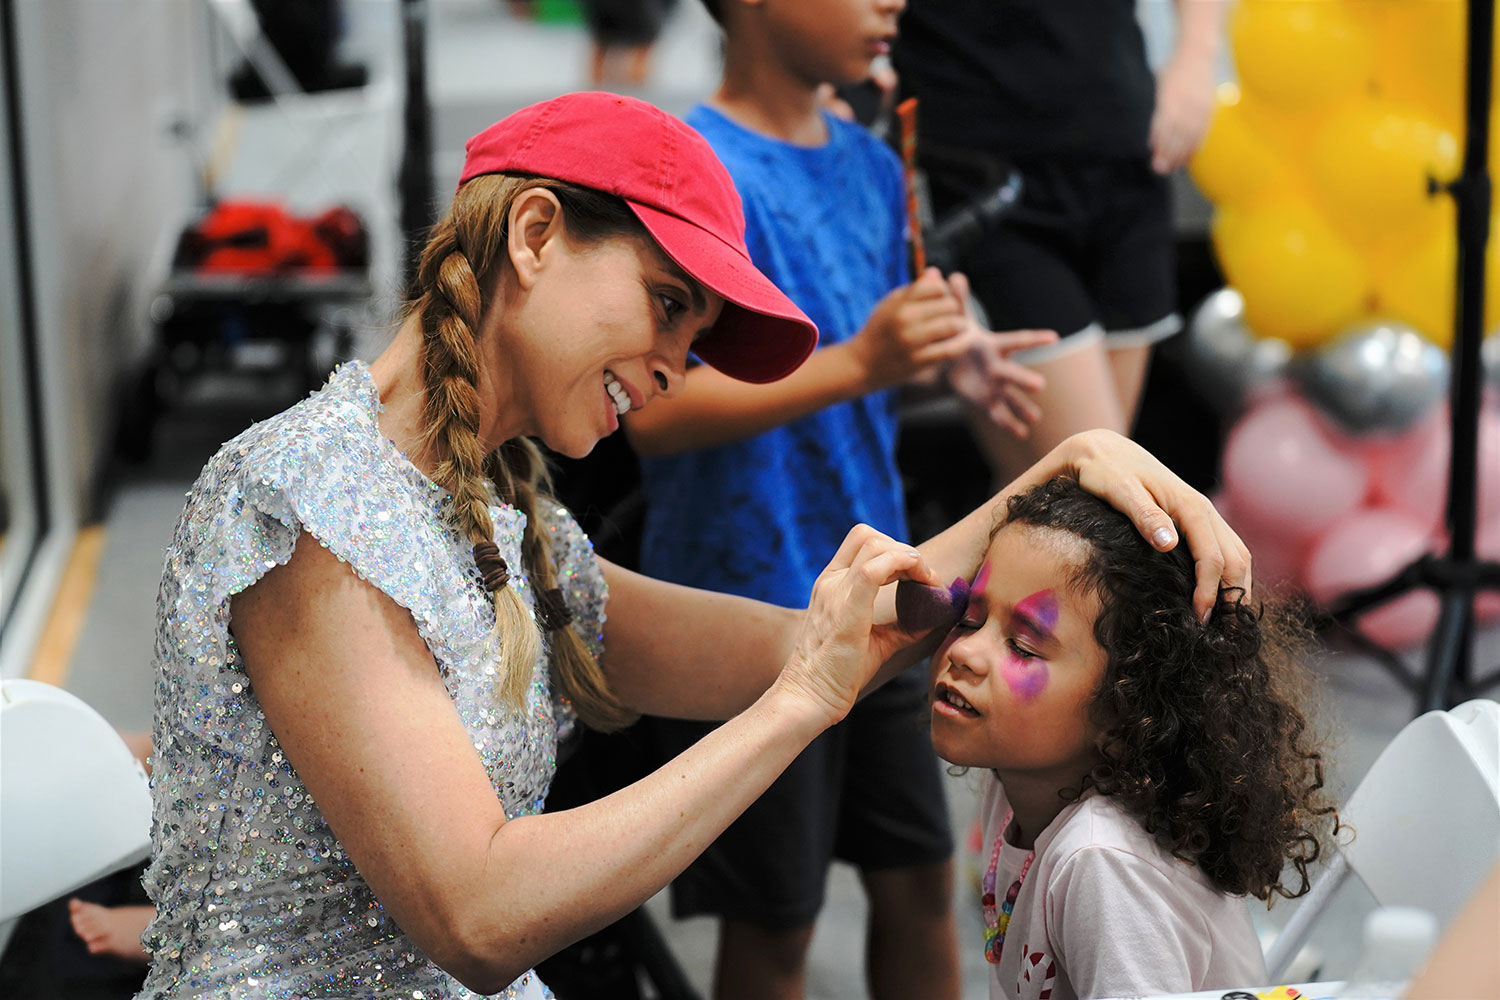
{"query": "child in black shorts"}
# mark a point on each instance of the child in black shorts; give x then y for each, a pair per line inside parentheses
(1068, 100)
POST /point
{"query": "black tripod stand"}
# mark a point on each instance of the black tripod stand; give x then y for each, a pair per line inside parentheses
(1457, 575)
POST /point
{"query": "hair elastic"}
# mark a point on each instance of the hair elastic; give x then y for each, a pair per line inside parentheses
(552, 612)
(491, 567)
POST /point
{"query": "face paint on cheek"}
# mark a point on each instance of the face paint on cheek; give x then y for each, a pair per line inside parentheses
(1027, 678)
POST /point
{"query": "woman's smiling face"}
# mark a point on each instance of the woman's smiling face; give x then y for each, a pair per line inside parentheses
(1012, 683)
(590, 331)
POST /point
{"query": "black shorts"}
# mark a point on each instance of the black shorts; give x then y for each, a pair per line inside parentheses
(1088, 247)
(626, 22)
(869, 791)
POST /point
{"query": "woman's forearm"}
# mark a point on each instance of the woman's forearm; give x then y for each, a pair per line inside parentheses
(553, 878)
(686, 653)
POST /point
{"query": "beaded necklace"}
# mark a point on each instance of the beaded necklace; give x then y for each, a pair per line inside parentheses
(997, 919)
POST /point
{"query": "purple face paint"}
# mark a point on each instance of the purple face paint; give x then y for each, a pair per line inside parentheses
(1038, 613)
(1037, 617)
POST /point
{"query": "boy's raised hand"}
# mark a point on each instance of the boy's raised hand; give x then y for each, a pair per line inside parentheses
(985, 377)
(911, 329)
(839, 647)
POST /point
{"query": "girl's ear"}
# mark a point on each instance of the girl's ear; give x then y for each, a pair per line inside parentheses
(535, 222)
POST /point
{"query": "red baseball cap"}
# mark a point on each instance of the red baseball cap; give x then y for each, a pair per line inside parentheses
(669, 176)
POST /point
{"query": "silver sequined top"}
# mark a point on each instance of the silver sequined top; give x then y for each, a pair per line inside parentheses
(254, 895)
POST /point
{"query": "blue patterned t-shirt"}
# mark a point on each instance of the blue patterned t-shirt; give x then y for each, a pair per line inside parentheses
(761, 517)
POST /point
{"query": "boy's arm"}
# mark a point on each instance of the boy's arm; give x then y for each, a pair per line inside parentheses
(911, 328)
(714, 409)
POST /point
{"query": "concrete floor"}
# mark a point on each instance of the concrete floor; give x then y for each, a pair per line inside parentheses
(484, 63)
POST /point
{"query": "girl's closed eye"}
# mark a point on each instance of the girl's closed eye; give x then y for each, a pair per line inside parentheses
(1021, 651)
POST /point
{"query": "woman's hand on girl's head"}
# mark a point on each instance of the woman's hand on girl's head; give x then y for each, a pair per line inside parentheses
(1154, 497)
(838, 646)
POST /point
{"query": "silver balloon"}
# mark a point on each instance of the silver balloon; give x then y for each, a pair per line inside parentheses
(1225, 360)
(1377, 376)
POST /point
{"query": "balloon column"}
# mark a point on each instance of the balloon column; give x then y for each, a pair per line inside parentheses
(1331, 344)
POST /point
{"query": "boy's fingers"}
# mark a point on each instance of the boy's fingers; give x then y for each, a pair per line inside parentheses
(929, 284)
(1001, 414)
(937, 352)
(948, 331)
(1020, 340)
(1019, 376)
(925, 310)
(958, 284)
(1021, 404)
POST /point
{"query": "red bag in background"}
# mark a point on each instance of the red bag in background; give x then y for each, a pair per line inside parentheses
(249, 237)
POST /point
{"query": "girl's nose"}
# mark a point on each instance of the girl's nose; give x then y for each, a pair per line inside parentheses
(970, 653)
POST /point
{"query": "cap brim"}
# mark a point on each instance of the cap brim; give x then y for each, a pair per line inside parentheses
(761, 335)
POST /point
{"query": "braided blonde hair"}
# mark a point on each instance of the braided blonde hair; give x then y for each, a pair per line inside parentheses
(458, 266)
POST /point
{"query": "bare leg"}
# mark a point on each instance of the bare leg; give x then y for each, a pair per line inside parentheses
(639, 65)
(1130, 365)
(1080, 395)
(761, 963)
(598, 64)
(111, 930)
(912, 947)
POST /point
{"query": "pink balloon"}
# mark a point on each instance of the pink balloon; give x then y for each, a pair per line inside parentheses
(1277, 566)
(1410, 473)
(1286, 475)
(1369, 547)
(1487, 547)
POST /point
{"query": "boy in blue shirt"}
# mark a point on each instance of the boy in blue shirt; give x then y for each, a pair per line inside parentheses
(750, 487)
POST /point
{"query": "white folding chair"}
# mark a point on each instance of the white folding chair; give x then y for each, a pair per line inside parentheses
(1426, 821)
(74, 802)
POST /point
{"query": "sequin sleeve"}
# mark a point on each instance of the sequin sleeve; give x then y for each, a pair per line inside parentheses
(291, 475)
(582, 581)
(579, 575)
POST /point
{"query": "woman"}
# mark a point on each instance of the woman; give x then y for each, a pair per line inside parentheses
(357, 706)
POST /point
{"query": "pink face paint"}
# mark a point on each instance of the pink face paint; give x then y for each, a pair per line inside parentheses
(1035, 616)
(981, 579)
(1038, 613)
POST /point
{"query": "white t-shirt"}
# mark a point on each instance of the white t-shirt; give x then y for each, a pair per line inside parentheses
(1106, 912)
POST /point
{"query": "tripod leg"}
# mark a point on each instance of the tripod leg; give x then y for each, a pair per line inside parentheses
(1449, 654)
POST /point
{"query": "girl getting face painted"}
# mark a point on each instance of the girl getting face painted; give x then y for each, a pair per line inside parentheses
(1011, 684)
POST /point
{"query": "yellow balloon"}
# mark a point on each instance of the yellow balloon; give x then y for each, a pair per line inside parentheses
(1371, 165)
(1416, 286)
(1301, 280)
(1417, 282)
(1236, 165)
(1419, 53)
(1298, 54)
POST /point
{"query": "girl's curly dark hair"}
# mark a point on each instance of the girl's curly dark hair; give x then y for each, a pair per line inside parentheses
(1204, 741)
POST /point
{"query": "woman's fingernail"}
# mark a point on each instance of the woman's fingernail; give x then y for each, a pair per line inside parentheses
(1163, 536)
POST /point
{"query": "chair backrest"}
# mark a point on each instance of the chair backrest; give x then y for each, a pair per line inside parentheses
(1434, 793)
(74, 802)
(1426, 822)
